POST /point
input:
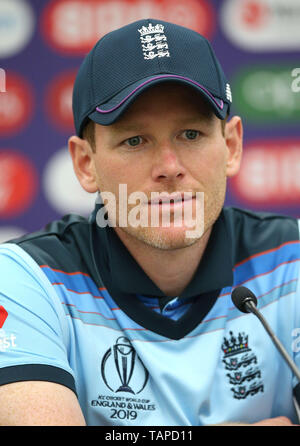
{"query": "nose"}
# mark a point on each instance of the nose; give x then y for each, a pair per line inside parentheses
(166, 165)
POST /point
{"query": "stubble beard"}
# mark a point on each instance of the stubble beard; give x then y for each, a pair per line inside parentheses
(160, 238)
(172, 238)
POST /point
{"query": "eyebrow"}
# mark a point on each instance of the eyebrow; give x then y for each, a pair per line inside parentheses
(126, 127)
(199, 118)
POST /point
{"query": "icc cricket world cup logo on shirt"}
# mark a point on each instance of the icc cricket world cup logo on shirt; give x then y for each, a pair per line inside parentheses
(122, 370)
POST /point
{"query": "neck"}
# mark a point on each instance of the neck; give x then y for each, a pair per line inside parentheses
(170, 270)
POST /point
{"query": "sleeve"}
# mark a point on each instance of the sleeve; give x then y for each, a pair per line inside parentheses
(296, 341)
(33, 327)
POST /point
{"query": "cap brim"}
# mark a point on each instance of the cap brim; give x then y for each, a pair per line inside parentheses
(108, 113)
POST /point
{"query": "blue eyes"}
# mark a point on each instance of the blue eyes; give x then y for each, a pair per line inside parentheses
(135, 141)
(191, 134)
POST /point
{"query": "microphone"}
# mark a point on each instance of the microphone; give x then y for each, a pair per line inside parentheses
(246, 301)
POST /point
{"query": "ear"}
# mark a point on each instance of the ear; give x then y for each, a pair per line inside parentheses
(234, 142)
(83, 163)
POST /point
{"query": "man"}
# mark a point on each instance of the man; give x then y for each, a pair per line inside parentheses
(126, 318)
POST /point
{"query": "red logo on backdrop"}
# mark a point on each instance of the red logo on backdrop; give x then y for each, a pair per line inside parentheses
(255, 13)
(3, 315)
(74, 26)
(269, 174)
(59, 101)
(16, 104)
(18, 183)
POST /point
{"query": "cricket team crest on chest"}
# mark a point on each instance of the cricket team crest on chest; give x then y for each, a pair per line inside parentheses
(154, 42)
(241, 363)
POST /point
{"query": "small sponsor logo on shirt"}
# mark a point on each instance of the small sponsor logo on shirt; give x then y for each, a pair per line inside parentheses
(7, 341)
(3, 316)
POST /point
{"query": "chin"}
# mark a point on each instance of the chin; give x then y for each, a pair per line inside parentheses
(163, 238)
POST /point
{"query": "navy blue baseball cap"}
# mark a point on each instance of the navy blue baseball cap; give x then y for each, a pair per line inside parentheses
(129, 60)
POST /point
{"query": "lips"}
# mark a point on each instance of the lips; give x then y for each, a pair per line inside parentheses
(170, 198)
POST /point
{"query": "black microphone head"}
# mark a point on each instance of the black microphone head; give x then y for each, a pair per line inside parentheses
(240, 296)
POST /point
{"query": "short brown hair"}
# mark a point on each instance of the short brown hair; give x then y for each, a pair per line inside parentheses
(223, 124)
(88, 133)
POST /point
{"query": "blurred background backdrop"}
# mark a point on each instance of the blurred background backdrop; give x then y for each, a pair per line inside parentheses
(42, 44)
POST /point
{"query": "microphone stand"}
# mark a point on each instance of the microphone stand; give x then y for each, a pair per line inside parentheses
(252, 308)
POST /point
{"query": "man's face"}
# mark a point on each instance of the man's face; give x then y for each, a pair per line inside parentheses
(167, 141)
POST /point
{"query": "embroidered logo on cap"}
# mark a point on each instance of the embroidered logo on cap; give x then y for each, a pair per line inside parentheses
(154, 41)
(228, 93)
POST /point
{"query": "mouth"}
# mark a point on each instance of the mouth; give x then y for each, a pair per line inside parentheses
(173, 199)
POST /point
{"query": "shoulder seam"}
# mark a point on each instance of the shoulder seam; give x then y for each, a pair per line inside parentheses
(293, 242)
(44, 233)
(262, 215)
